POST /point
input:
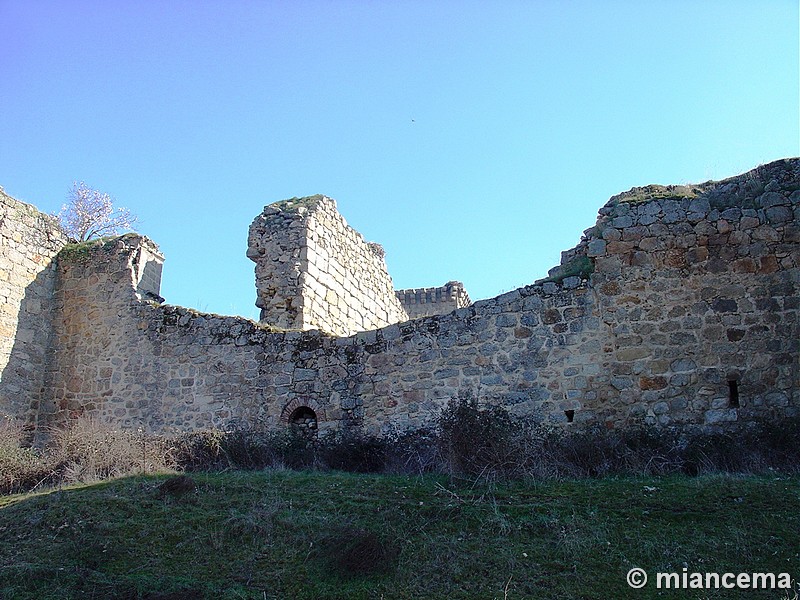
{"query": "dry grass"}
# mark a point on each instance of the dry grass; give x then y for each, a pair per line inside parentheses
(471, 442)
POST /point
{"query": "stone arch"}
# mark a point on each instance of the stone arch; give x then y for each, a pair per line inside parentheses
(299, 403)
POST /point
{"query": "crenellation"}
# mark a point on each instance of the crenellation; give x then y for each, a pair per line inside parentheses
(426, 302)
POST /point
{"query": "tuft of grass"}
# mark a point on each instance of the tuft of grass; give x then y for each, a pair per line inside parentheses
(80, 252)
(580, 266)
(639, 195)
(292, 204)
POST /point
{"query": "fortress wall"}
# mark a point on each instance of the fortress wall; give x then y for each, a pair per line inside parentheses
(427, 302)
(276, 240)
(313, 271)
(128, 361)
(105, 366)
(29, 240)
(134, 363)
(676, 298)
(690, 317)
(700, 295)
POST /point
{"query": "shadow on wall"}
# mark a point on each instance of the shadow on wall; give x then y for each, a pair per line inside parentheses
(24, 377)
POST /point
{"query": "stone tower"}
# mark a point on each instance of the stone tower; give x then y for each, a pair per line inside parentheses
(314, 271)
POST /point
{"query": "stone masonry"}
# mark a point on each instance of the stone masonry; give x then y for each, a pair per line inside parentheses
(28, 244)
(678, 308)
(313, 271)
(427, 302)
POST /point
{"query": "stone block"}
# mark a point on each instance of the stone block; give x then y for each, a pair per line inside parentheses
(721, 415)
(631, 354)
(652, 383)
(596, 248)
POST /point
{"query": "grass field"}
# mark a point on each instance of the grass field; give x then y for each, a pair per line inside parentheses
(284, 534)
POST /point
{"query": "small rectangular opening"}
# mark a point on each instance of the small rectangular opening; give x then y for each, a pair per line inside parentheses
(570, 414)
(733, 393)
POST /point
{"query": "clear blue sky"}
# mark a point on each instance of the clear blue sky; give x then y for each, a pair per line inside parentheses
(474, 140)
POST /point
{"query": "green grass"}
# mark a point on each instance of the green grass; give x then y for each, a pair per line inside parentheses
(580, 266)
(292, 204)
(297, 535)
(648, 193)
(80, 252)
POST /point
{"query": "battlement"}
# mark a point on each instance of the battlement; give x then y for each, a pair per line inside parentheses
(427, 302)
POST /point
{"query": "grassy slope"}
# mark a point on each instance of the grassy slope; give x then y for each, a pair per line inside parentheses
(281, 535)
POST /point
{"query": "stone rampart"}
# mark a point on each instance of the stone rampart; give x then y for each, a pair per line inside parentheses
(313, 271)
(679, 307)
(29, 240)
(427, 302)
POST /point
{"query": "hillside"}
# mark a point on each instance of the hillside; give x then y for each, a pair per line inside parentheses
(283, 534)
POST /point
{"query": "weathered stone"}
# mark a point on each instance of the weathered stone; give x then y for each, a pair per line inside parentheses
(629, 354)
(721, 415)
(779, 214)
(596, 247)
(652, 383)
(724, 305)
(655, 331)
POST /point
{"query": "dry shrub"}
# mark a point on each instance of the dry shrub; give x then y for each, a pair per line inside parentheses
(88, 451)
(199, 450)
(353, 451)
(470, 441)
(769, 445)
(216, 450)
(353, 552)
(413, 452)
(21, 468)
(177, 486)
(477, 441)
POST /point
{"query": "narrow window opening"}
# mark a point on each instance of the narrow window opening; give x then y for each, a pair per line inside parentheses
(733, 393)
(570, 414)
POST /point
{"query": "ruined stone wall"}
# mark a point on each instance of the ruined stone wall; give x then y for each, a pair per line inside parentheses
(313, 271)
(427, 302)
(277, 244)
(129, 361)
(699, 288)
(28, 242)
(97, 335)
(680, 307)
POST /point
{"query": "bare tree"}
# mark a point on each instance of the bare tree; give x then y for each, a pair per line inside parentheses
(91, 213)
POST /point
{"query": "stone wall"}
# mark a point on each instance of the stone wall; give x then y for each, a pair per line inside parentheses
(427, 302)
(28, 242)
(313, 271)
(679, 307)
(100, 287)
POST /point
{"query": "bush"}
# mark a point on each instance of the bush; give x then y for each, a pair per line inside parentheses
(88, 451)
(215, 450)
(477, 442)
(413, 452)
(352, 450)
(596, 451)
(21, 468)
(469, 440)
(199, 450)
